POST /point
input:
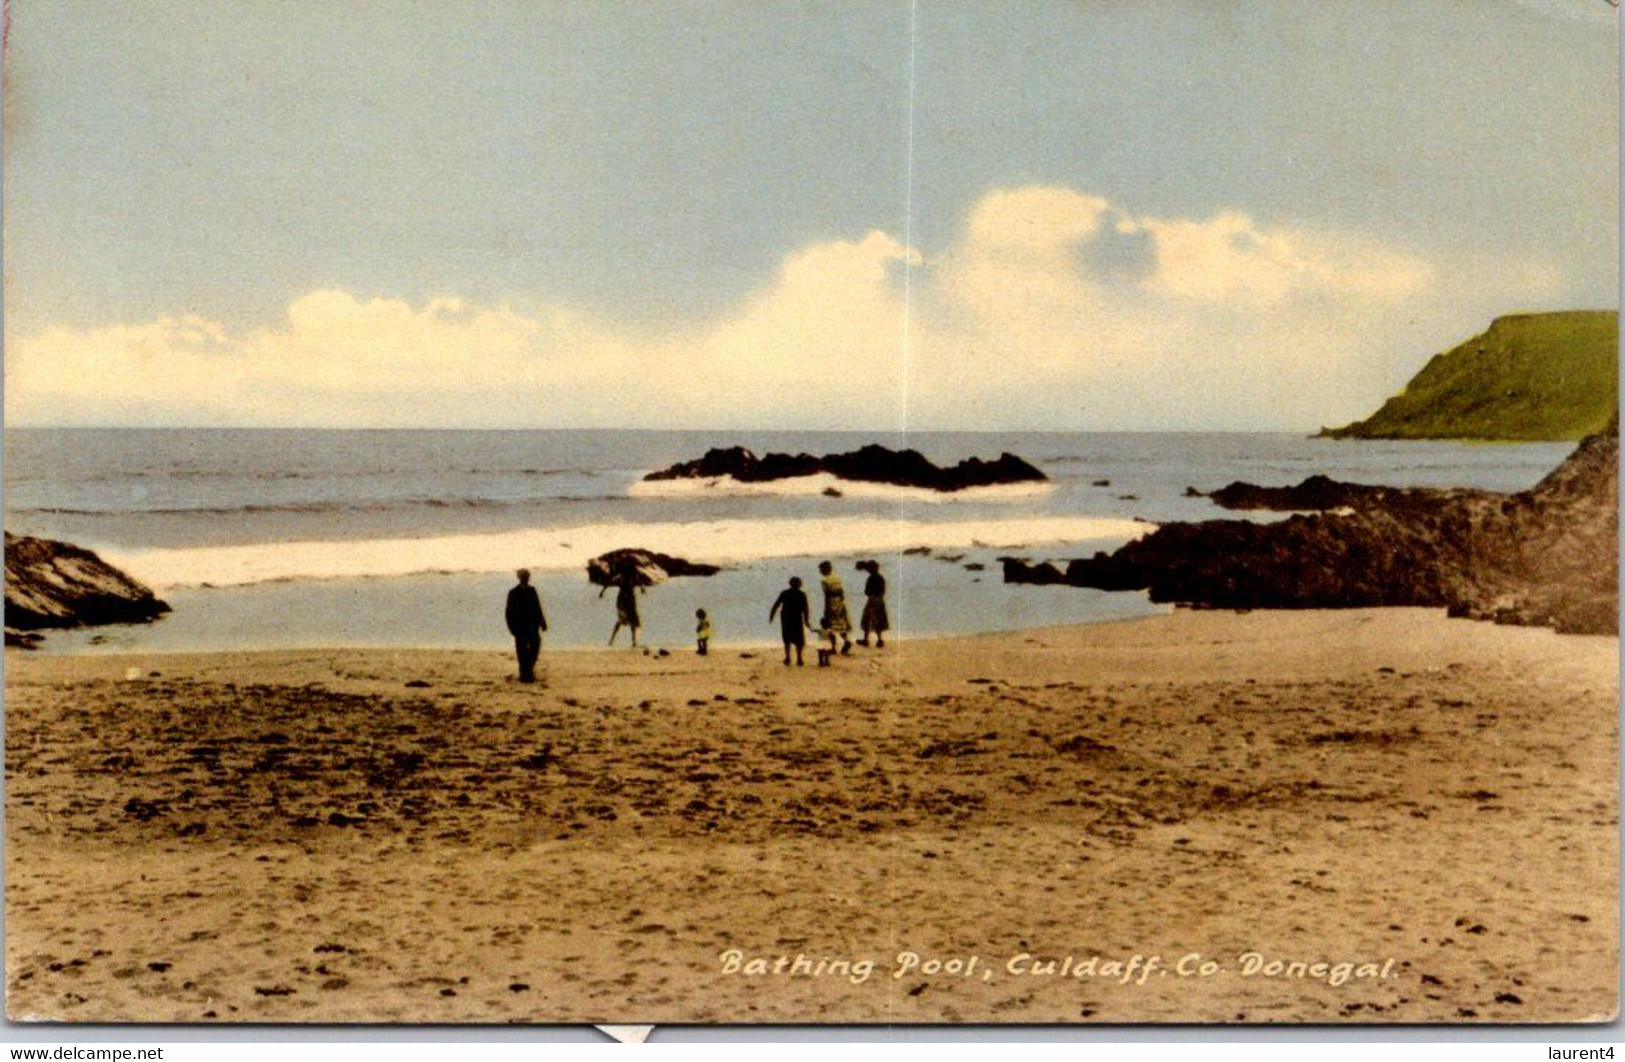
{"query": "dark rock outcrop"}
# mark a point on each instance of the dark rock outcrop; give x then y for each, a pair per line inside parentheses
(870, 464)
(55, 584)
(1043, 573)
(1317, 493)
(651, 567)
(1547, 556)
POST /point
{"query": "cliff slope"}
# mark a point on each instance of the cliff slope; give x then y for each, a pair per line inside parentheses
(1529, 377)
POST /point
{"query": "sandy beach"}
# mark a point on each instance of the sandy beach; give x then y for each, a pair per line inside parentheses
(407, 836)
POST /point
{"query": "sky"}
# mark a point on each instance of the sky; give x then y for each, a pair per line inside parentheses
(857, 214)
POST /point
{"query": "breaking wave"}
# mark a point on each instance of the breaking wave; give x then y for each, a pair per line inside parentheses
(569, 548)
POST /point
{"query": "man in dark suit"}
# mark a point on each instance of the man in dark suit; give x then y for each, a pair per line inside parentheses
(526, 623)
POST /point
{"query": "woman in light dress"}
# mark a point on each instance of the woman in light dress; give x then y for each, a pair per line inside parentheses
(837, 622)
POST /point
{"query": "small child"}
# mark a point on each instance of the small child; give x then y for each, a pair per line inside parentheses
(702, 633)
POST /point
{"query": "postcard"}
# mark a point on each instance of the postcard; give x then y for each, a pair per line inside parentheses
(896, 511)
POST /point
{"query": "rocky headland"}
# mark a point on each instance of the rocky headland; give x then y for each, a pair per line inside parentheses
(869, 464)
(1528, 376)
(51, 584)
(1547, 556)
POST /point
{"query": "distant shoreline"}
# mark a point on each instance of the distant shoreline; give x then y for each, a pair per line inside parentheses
(501, 646)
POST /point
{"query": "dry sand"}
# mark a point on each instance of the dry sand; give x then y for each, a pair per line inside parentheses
(302, 836)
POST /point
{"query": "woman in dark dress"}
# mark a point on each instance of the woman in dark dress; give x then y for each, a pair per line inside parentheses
(794, 613)
(874, 621)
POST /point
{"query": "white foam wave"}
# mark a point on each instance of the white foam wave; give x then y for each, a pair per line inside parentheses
(569, 548)
(824, 483)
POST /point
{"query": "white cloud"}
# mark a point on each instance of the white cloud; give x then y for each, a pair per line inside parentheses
(1053, 308)
(1229, 258)
(1061, 309)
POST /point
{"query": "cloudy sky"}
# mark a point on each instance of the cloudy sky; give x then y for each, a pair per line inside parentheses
(1071, 214)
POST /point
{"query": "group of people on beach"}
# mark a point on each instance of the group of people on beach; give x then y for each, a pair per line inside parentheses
(526, 621)
(794, 614)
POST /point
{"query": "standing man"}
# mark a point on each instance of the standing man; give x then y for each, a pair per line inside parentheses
(526, 623)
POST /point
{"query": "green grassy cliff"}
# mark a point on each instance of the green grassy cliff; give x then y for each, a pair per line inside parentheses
(1530, 376)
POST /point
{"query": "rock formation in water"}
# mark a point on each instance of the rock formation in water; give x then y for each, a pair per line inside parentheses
(870, 464)
(52, 584)
(1317, 493)
(652, 567)
(1547, 556)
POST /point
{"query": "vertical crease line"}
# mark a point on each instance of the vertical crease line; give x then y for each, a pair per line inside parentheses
(903, 411)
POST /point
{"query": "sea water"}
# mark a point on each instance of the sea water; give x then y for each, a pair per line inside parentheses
(283, 538)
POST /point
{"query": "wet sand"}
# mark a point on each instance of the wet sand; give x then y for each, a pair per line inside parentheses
(378, 835)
